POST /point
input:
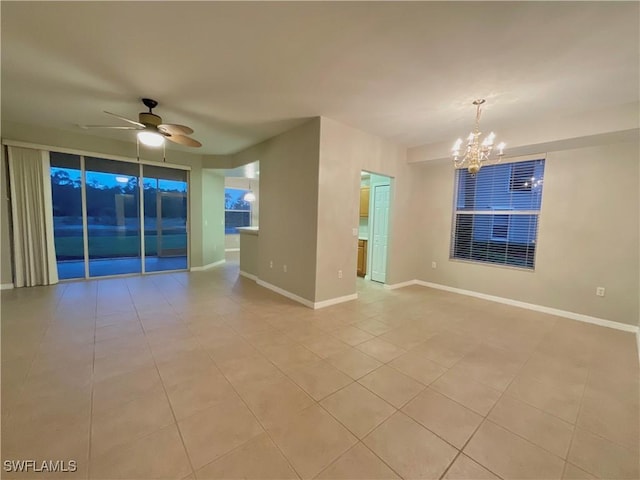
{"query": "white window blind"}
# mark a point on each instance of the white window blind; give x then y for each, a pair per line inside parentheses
(496, 214)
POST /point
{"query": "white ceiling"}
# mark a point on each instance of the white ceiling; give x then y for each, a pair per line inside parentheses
(240, 72)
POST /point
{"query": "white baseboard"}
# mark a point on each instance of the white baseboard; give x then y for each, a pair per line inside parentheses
(231, 250)
(208, 266)
(529, 306)
(6, 286)
(538, 308)
(335, 301)
(250, 276)
(285, 293)
(401, 284)
(299, 299)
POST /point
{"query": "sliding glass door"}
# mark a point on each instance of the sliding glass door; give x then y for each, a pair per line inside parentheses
(165, 218)
(68, 231)
(113, 217)
(99, 225)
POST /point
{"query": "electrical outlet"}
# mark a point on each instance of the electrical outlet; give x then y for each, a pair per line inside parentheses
(270, 263)
(284, 268)
(339, 273)
(355, 232)
(600, 291)
(434, 265)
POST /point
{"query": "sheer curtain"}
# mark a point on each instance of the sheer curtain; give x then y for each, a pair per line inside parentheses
(32, 212)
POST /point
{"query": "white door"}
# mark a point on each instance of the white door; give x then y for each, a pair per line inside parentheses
(380, 232)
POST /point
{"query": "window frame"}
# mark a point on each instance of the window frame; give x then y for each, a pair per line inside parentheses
(493, 212)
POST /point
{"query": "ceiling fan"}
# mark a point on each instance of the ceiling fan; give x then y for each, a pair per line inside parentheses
(151, 131)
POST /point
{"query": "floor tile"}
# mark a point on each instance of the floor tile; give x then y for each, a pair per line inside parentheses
(219, 429)
(359, 463)
(259, 458)
(393, 386)
(289, 357)
(612, 415)
(410, 449)
(351, 335)
(311, 440)
(124, 423)
(199, 393)
(380, 350)
(444, 417)
(275, 400)
(186, 366)
(246, 370)
(354, 363)
(540, 428)
(34, 441)
(418, 366)
(121, 363)
(325, 345)
(463, 468)
(447, 348)
(159, 455)
(559, 398)
(510, 456)
(217, 352)
(602, 458)
(404, 337)
(464, 390)
(373, 326)
(358, 409)
(491, 366)
(319, 379)
(571, 472)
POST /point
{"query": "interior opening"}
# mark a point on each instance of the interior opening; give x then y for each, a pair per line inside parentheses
(373, 229)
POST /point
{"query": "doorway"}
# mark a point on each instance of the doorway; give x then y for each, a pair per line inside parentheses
(373, 232)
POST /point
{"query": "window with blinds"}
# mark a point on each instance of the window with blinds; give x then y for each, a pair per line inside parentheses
(496, 214)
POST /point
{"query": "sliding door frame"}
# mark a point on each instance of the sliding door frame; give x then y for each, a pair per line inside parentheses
(85, 221)
(85, 232)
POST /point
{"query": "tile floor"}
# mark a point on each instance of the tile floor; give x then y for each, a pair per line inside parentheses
(206, 375)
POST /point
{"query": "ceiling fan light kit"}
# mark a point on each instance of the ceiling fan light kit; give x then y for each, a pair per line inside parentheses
(151, 131)
(150, 139)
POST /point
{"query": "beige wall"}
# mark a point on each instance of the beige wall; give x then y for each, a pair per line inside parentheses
(588, 235)
(202, 240)
(344, 152)
(250, 258)
(6, 270)
(212, 217)
(288, 207)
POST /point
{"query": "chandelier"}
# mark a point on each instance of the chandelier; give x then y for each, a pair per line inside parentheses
(477, 152)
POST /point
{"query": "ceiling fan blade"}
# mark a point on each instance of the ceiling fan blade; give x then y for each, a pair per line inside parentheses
(109, 126)
(183, 140)
(141, 125)
(174, 129)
